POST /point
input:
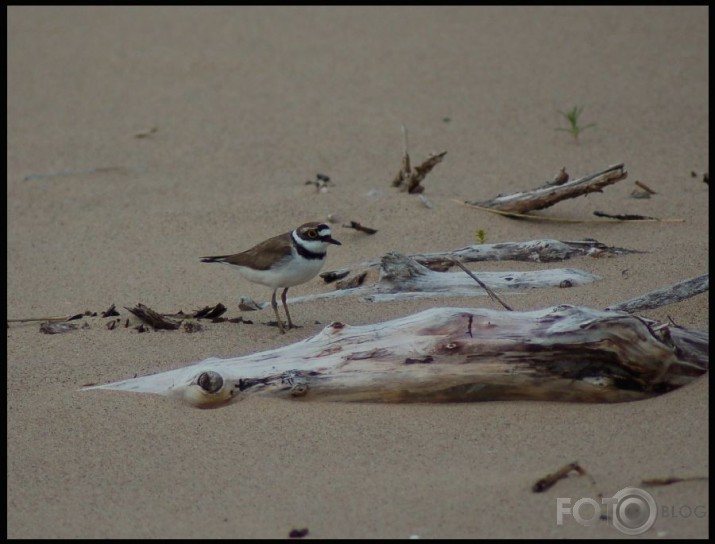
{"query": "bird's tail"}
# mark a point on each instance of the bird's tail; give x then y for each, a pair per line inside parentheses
(216, 259)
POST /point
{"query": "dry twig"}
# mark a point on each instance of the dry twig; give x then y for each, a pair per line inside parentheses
(408, 178)
(357, 226)
(548, 481)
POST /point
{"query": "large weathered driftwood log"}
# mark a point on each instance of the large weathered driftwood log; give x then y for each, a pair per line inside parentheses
(563, 353)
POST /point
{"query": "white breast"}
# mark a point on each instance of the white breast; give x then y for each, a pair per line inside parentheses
(289, 272)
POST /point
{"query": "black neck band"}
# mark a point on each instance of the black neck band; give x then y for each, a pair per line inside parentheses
(303, 251)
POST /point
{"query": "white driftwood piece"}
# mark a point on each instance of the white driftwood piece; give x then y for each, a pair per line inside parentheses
(665, 296)
(402, 277)
(562, 353)
(543, 250)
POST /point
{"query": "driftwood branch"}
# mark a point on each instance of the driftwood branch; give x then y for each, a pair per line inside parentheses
(549, 194)
(536, 251)
(563, 353)
(667, 295)
(415, 281)
(402, 277)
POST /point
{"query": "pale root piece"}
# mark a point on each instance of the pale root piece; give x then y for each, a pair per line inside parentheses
(562, 353)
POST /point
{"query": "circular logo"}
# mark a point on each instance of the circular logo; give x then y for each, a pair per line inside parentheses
(634, 511)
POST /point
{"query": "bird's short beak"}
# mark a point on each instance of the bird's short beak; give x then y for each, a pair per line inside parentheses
(332, 240)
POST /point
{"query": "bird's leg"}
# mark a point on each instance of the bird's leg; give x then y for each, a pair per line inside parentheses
(275, 309)
(283, 298)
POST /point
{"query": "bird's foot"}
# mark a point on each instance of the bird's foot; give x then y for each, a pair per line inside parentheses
(278, 324)
(282, 326)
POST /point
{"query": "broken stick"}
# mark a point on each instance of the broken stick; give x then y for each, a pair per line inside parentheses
(544, 197)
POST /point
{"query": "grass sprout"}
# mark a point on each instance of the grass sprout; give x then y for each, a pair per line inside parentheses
(572, 116)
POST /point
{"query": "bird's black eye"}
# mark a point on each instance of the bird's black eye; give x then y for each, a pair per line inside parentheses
(312, 233)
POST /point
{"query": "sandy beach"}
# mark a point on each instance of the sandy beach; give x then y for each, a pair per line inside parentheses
(142, 138)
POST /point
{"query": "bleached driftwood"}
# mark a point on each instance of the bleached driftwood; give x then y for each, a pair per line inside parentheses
(402, 277)
(563, 353)
(549, 194)
(417, 281)
(399, 274)
(537, 251)
(667, 295)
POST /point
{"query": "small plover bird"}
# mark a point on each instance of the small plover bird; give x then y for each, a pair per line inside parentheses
(283, 261)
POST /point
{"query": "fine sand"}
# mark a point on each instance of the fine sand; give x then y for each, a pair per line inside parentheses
(140, 139)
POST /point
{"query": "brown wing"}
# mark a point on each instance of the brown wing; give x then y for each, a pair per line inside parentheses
(259, 257)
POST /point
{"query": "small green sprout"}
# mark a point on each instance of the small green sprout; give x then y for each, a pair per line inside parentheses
(481, 236)
(572, 117)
